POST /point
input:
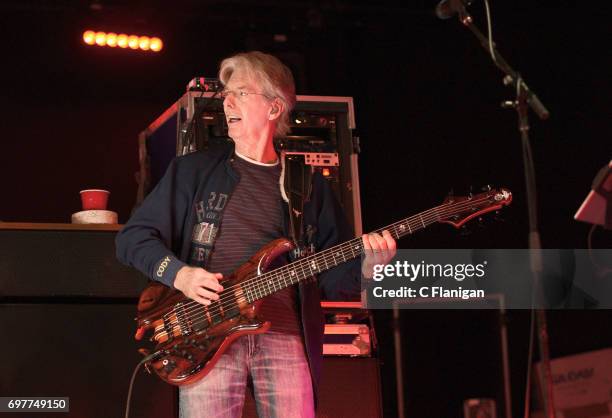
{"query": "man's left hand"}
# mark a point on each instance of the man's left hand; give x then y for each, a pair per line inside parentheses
(379, 249)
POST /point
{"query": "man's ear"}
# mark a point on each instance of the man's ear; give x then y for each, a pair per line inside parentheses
(276, 109)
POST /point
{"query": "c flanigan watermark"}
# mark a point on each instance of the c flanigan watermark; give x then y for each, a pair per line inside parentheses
(428, 292)
(441, 276)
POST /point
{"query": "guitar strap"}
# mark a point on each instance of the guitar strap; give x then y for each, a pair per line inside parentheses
(296, 185)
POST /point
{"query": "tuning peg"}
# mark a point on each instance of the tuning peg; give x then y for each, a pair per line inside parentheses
(486, 188)
(471, 194)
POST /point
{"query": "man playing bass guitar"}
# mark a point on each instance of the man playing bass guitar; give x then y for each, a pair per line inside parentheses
(212, 211)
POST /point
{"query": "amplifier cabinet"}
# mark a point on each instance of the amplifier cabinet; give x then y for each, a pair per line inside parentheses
(82, 351)
(67, 311)
(64, 260)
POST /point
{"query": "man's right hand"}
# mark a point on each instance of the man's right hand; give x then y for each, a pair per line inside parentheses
(198, 284)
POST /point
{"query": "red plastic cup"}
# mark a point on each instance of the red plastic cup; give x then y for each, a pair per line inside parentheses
(94, 199)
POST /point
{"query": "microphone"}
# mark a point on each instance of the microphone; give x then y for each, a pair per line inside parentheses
(448, 8)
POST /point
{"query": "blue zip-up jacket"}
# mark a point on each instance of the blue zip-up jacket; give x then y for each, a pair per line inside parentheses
(158, 238)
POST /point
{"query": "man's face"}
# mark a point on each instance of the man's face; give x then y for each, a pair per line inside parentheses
(248, 116)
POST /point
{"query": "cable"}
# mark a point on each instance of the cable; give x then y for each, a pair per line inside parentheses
(489, 27)
(129, 396)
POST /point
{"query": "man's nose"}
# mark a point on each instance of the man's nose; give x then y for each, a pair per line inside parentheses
(229, 101)
(230, 98)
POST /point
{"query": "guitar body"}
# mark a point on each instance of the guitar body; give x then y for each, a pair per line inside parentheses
(192, 337)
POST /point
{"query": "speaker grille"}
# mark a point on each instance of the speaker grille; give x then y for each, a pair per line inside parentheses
(43, 263)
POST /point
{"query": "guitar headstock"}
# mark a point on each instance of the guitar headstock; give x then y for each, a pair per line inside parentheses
(457, 210)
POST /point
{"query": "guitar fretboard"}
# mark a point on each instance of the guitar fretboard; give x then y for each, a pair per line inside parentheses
(268, 283)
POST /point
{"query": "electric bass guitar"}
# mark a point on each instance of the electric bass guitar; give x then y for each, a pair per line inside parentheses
(190, 337)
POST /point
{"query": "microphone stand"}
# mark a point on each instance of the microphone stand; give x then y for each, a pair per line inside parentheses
(524, 98)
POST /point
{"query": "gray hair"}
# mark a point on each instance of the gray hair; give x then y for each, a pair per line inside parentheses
(275, 77)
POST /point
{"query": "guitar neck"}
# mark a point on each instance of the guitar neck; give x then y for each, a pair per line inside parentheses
(271, 282)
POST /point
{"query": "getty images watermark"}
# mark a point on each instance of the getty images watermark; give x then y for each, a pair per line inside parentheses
(411, 272)
(486, 278)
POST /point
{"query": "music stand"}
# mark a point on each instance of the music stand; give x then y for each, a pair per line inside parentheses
(597, 207)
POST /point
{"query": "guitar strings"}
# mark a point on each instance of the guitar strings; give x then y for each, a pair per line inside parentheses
(228, 299)
(430, 217)
(214, 311)
(256, 280)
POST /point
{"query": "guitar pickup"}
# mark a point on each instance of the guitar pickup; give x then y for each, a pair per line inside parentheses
(184, 323)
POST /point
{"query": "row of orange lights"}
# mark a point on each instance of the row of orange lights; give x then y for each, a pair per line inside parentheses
(122, 40)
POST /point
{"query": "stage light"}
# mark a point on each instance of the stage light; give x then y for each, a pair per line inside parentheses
(144, 43)
(122, 41)
(111, 39)
(133, 41)
(326, 172)
(100, 38)
(89, 37)
(156, 44)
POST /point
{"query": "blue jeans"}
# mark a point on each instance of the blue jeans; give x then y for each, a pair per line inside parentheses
(281, 380)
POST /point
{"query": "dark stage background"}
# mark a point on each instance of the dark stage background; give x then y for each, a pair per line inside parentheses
(426, 97)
